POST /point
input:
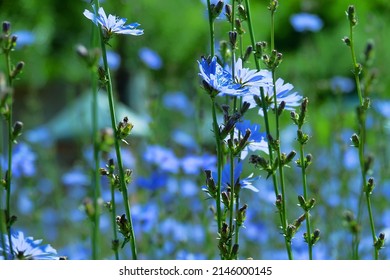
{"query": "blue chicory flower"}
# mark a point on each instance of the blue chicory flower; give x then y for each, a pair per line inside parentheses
(246, 183)
(283, 93)
(217, 80)
(256, 140)
(112, 24)
(250, 78)
(26, 248)
(302, 22)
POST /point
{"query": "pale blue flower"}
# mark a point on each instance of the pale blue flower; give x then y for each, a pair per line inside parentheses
(112, 24)
(283, 93)
(26, 248)
(250, 78)
(306, 22)
(150, 58)
(217, 79)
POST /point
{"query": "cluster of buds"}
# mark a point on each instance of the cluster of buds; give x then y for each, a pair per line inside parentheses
(124, 228)
(225, 240)
(124, 129)
(8, 44)
(109, 171)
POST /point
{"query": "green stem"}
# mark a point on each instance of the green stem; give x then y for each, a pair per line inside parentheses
(212, 30)
(10, 147)
(362, 137)
(219, 164)
(113, 219)
(95, 138)
(117, 147)
(305, 195)
(267, 128)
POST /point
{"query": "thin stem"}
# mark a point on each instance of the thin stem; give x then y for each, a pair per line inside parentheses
(362, 137)
(10, 147)
(113, 219)
(219, 164)
(117, 147)
(305, 195)
(95, 138)
(215, 126)
(212, 30)
(267, 128)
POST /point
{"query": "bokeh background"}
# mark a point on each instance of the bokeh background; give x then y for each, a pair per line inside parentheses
(157, 85)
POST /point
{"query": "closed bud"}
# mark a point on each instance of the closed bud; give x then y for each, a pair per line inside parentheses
(225, 199)
(370, 185)
(259, 49)
(216, 9)
(17, 130)
(233, 39)
(228, 12)
(247, 54)
(240, 29)
(242, 12)
(281, 107)
(302, 202)
(17, 70)
(351, 14)
(347, 41)
(273, 5)
(355, 140)
(380, 242)
(6, 27)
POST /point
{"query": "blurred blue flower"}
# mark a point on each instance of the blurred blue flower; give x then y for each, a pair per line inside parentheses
(162, 157)
(302, 22)
(145, 217)
(76, 177)
(186, 255)
(26, 248)
(256, 140)
(112, 24)
(283, 93)
(217, 79)
(25, 38)
(382, 107)
(180, 102)
(157, 179)
(150, 58)
(342, 84)
(23, 161)
(193, 164)
(113, 60)
(40, 135)
(184, 139)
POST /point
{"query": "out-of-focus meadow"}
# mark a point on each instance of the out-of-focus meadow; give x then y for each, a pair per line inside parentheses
(156, 82)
